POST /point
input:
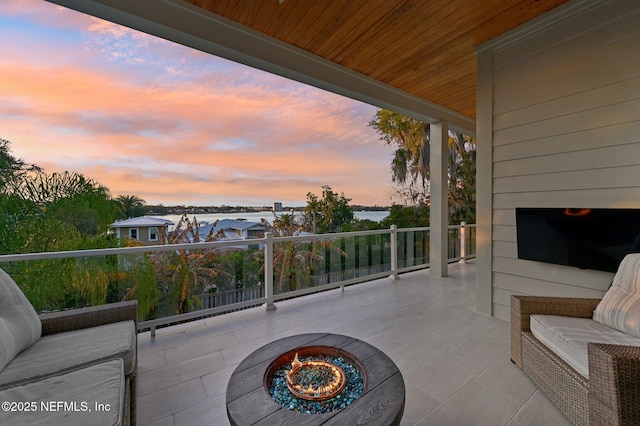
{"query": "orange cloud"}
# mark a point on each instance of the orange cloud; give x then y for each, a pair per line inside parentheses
(146, 117)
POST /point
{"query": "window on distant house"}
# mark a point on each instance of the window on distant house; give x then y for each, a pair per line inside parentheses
(153, 233)
(133, 233)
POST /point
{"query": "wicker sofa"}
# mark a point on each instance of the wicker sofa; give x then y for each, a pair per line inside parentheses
(610, 394)
(69, 367)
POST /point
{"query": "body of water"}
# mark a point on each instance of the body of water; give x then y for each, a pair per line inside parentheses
(375, 216)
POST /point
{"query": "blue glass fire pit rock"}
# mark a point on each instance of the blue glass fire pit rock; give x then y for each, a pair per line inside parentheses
(281, 394)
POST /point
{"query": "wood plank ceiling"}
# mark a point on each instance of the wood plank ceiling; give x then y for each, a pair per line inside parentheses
(423, 47)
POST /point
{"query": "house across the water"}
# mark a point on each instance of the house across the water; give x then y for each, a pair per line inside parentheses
(235, 229)
(145, 229)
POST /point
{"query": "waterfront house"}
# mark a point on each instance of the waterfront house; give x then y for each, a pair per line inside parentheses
(238, 229)
(145, 229)
(231, 230)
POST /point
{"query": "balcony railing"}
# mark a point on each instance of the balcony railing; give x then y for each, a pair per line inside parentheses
(181, 282)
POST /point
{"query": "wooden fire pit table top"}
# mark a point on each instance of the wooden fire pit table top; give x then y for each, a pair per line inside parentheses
(381, 402)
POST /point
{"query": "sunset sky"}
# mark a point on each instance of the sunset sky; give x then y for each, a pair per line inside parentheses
(146, 117)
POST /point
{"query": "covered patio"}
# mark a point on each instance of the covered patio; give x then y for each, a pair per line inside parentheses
(550, 91)
(455, 362)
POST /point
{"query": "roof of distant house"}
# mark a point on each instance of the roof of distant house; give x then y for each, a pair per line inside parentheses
(239, 224)
(235, 224)
(141, 221)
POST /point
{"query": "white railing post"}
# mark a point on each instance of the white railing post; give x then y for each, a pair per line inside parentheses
(463, 243)
(394, 253)
(268, 271)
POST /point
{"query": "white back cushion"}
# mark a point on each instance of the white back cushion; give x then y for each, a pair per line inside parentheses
(620, 306)
(20, 325)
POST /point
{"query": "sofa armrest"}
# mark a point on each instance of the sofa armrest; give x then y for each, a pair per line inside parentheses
(524, 306)
(614, 384)
(76, 319)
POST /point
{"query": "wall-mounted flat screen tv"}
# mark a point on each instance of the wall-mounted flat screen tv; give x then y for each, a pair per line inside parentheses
(585, 238)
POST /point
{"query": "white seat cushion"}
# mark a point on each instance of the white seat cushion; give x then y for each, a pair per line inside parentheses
(60, 352)
(70, 399)
(20, 325)
(568, 337)
(620, 306)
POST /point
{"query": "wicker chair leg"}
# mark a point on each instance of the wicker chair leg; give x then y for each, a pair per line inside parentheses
(132, 386)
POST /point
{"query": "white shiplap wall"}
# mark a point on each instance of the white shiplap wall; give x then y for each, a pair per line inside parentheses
(565, 133)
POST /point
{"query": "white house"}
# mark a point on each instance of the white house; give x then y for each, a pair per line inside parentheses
(145, 229)
(235, 229)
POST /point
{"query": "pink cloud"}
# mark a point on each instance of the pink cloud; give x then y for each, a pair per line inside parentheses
(173, 131)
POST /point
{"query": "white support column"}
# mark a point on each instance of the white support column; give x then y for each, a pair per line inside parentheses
(438, 217)
(394, 253)
(268, 272)
(484, 183)
(463, 243)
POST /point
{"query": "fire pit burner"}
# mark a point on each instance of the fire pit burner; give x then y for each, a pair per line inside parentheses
(318, 380)
(380, 393)
(315, 380)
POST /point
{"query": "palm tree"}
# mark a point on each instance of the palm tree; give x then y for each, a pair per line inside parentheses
(410, 164)
(293, 261)
(184, 274)
(130, 205)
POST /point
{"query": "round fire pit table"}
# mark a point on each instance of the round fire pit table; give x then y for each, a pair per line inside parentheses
(381, 402)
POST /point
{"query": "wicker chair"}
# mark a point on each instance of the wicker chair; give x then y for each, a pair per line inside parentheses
(88, 352)
(73, 320)
(93, 316)
(611, 395)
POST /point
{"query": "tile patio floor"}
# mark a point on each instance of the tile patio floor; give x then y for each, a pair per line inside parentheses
(455, 362)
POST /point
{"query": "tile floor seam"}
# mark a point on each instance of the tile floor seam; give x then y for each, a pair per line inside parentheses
(183, 380)
(461, 389)
(429, 413)
(522, 407)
